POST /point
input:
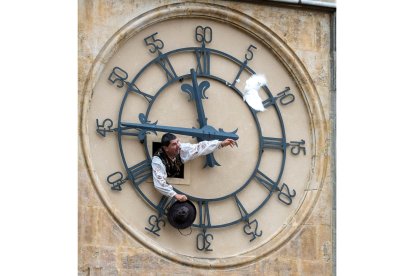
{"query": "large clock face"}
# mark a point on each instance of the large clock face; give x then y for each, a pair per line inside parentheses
(187, 76)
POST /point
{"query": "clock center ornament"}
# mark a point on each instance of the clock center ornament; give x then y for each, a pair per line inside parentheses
(167, 72)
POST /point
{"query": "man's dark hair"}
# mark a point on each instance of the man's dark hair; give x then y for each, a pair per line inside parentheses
(167, 138)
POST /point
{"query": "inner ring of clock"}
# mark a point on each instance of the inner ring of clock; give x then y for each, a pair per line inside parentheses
(207, 182)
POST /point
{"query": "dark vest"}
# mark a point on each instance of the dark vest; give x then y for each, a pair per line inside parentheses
(173, 168)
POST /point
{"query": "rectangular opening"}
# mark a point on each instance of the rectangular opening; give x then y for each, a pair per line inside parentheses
(155, 147)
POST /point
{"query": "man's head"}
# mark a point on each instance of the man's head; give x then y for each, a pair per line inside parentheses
(170, 144)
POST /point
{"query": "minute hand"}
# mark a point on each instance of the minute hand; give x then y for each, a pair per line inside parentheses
(206, 133)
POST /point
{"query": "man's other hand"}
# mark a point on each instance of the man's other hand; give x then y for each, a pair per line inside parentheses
(180, 197)
(228, 142)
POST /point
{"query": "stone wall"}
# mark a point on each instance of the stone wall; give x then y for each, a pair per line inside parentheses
(106, 249)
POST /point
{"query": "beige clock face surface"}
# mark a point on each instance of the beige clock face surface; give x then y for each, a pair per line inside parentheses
(224, 109)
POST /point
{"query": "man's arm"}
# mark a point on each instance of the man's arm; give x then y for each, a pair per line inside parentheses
(191, 151)
(159, 175)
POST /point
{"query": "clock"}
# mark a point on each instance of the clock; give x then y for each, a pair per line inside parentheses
(182, 69)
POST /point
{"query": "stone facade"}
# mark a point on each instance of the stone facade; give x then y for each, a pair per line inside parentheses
(105, 248)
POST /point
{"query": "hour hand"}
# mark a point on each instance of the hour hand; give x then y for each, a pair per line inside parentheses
(197, 92)
(206, 133)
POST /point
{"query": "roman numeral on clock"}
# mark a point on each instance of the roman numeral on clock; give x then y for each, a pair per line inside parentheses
(140, 172)
(204, 215)
(284, 194)
(251, 227)
(203, 61)
(119, 77)
(135, 89)
(165, 64)
(155, 221)
(204, 239)
(243, 213)
(265, 181)
(273, 143)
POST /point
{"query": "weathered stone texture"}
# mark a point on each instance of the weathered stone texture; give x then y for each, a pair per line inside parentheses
(97, 260)
(106, 249)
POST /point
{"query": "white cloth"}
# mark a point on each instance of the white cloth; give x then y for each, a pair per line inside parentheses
(188, 152)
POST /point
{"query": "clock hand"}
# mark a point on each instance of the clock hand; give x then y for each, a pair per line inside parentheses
(206, 133)
(197, 92)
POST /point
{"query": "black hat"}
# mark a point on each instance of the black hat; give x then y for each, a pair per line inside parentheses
(182, 214)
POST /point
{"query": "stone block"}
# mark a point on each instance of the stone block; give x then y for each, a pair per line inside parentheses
(87, 224)
(314, 269)
(325, 243)
(303, 246)
(322, 213)
(274, 265)
(97, 260)
(110, 233)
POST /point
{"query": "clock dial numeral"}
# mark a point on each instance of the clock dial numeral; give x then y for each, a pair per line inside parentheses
(116, 180)
(273, 143)
(140, 172)
(118, 75)
(250, 228)
(285, 98)
(154, 222)
(154, 43)
(204, 241)
(297, 147)
(248, 56)
(203, 34)
(285, 195)
(105, 127)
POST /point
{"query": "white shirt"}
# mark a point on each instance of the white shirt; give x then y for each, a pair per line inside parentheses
(188, 152)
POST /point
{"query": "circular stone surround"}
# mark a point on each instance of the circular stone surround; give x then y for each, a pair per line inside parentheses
(292, 64)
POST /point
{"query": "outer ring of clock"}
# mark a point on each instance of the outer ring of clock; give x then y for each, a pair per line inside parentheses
(257, 123)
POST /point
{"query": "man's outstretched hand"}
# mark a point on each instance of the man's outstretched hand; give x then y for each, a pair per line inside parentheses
(228, 142)
(180, 197)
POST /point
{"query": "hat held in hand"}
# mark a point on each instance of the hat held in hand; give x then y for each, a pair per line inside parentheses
(182, 214)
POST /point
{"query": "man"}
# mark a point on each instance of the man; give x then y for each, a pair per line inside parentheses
(167, 161)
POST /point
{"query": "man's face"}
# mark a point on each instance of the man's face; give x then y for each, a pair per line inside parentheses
(173, 148)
